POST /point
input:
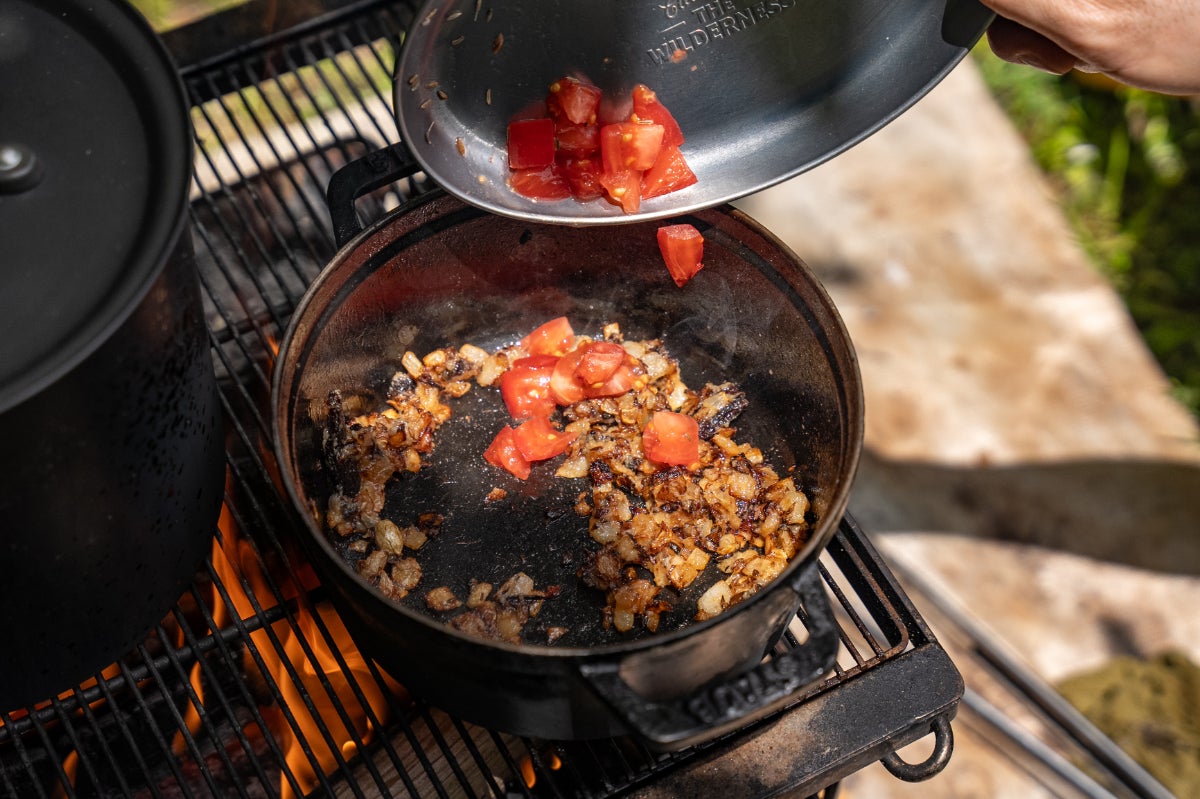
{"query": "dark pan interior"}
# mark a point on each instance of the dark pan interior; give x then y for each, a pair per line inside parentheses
(444, 274)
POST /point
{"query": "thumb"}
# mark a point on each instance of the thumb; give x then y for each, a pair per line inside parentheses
(1014, 42)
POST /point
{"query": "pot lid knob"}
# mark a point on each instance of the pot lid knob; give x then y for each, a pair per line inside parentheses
(20, 169)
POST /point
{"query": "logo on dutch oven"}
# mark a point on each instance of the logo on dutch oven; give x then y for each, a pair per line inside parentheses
(770, 681)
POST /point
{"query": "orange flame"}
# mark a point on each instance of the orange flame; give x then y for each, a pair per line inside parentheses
(234, 559)
(529, 774)
(272, 350)
(70, 766)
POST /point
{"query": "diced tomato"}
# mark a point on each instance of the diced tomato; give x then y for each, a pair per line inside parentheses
(623, 148)
(540, 360)
(530, 143)
(503, 453)
(555, 337)
(525, 387)
(538, 440)
(577, 141)
(583, 176)
(630, 146)
(682, 248)
(564, 385)
(669, 173)
(543, 183)
(598, 360)
(641, 144)
(574, 99)
(671, 438)
(621, 381)
(647, 107)
(624, 188)
(612, 157)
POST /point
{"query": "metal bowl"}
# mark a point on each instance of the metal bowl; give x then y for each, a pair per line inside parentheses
(762, 90)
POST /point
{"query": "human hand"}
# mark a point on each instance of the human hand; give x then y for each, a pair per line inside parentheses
(1150, 44)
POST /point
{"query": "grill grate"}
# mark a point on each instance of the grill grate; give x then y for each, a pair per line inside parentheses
(248, 686)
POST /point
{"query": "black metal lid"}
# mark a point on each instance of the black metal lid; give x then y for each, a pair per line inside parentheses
(95, 159)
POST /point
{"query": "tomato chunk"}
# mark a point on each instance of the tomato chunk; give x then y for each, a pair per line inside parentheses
(574, 100)
(630, 146)
(669, 173)
(550, 338)
(621, 148)
(672, 439)
(623, 188)
(530, 143)
(622, 380)
(543, 183)
(564, 384)
(525, 387)
(503, 453)
(682, 248)
(537, 439)
(578, 141)
(583, 176)
(598, 361)
(646, 106)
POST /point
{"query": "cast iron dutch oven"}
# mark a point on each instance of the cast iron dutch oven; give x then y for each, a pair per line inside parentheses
(111, 460)
(438, 272)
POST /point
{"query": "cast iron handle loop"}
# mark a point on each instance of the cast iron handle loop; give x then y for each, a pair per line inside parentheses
(943, 745)
(360, 176)
(736, 701)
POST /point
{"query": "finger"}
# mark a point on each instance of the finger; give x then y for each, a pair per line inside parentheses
(1014, 42)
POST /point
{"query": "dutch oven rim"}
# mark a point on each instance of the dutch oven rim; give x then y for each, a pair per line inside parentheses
(826, 526)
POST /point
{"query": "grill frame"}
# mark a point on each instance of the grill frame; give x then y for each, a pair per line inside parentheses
(268, 141)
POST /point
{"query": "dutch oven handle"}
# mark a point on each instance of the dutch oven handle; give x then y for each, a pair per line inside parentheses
(372, 171)
(736, 701)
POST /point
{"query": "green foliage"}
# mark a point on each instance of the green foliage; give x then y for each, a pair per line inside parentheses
(166, 14)
(1127, 164)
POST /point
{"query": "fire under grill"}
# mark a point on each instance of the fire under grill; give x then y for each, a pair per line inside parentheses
(250, 686)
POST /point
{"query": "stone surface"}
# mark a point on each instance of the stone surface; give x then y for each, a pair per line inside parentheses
(984, 335)
(1014, 417)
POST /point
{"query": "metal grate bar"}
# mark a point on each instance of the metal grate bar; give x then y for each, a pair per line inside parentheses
(266, 675)
(180, 726)
(264, 341)
(267, 201)
(81, 757)
(258, 208)
(85, 710)
(127, 736)
(205, 718)
(214, 688)
(143, 709)
(23, 756)
(849, 609)
(270, 46)
(278, 693)
(309, 653)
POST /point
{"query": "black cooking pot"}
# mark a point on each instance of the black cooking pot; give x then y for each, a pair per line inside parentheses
(111, 464)
(440, 273)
